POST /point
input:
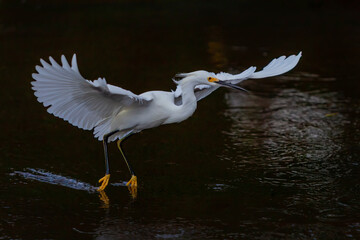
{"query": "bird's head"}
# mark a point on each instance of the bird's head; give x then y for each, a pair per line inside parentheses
(206, 78)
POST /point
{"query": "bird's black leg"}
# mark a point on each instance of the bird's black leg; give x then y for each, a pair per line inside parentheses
(105, 179)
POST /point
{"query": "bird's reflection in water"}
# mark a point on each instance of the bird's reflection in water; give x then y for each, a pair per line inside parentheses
(105, 199)
(133, 191)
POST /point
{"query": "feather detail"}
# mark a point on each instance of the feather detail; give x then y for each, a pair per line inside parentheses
(83, 103)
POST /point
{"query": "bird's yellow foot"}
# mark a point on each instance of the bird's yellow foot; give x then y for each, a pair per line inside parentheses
(132, 186)
(105, 182)
(132, 182)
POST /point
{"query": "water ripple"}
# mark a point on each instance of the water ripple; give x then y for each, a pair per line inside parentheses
(297, 143)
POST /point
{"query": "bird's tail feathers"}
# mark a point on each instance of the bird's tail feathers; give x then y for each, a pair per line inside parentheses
(102, 128)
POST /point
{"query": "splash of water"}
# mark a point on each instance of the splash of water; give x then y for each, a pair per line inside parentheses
(48, 177)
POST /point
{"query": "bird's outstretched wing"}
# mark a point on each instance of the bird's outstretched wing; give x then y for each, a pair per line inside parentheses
(83, 103)
(276, 67)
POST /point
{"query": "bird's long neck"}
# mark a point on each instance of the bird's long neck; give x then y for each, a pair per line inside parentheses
(189, 102)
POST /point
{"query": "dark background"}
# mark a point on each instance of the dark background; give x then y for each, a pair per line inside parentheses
(279, 163)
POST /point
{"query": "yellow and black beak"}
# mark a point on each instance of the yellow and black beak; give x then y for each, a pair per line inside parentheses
(226, 84)
(229, 85)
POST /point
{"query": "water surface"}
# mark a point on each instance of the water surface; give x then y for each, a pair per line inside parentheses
(279, 163)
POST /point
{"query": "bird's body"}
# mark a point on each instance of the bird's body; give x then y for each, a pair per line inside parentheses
(144, 117)
(115, 113)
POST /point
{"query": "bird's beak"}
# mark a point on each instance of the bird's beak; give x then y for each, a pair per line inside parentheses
(229, 85)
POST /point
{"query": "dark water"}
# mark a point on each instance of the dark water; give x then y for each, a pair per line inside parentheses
(279, 163)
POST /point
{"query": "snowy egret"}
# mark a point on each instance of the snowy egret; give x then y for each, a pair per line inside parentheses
(115, 113)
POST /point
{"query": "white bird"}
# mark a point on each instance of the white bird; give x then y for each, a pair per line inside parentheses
(116, 113)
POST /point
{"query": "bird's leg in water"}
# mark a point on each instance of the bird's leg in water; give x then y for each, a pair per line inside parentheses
(132, 184)
(105, 180)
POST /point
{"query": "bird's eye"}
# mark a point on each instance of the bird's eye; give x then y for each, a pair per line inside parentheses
(212, 79)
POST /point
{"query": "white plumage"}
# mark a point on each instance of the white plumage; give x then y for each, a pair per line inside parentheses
(115, 113)
(95, 104)
(84, 104)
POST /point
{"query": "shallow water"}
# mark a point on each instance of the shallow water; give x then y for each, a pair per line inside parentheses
(281, 162)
